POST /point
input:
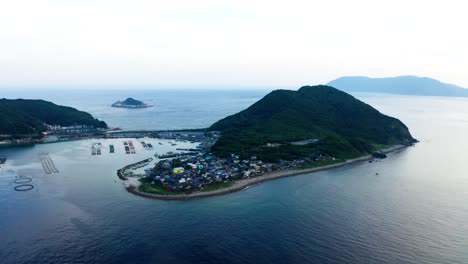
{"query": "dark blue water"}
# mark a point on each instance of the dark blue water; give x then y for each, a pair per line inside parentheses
(414, 211)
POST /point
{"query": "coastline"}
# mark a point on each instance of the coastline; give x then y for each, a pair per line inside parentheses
(244, 183)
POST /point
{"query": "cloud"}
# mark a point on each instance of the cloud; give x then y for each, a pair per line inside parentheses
(228, 42)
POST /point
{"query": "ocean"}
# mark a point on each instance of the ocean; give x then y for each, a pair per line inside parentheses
(410, 208)
(173, 109)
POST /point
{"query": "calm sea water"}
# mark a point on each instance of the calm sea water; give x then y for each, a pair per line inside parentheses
(173, 109)
(414, 211)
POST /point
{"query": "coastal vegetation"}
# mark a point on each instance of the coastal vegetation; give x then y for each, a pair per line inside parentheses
(217, 186)
(318, 164)
(147, 187)
(21, 116)
(343, 126)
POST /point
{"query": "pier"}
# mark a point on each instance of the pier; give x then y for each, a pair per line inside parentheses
(185, 149)
(170, 155)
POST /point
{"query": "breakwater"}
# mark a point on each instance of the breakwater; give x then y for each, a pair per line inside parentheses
(121, 172)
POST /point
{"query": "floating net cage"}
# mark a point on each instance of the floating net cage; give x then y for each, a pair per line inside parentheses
(23, 183)
(23, 180)
(24, 187)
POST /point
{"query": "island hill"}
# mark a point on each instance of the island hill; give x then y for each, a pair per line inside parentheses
(280, 125)
(27, 121)
(407, 85)
(130, 103)
(285, 133)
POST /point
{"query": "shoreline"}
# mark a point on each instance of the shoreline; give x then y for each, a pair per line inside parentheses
(245, 183)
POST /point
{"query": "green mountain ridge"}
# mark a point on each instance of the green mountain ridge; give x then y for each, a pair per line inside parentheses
(24, 116)
(345, 126)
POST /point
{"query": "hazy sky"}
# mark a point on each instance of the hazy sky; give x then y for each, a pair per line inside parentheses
(229, 43)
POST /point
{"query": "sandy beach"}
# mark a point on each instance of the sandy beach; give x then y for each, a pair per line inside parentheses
(132, 185)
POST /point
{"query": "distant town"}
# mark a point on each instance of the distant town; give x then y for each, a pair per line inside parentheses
(53, 133)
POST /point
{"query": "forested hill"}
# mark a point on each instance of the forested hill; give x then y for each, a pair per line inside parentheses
(345, 126)
(21, 116)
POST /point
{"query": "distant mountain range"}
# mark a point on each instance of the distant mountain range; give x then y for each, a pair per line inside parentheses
(344, 126)
(409, 85)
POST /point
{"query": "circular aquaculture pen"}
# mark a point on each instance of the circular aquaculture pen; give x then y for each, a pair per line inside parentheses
(22, 180)
(24, 187)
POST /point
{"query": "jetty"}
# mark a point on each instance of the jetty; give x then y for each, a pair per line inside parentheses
(170, 155)
(185, 149)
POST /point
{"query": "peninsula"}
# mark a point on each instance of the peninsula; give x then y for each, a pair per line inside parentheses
(28, 121)
(130, 103)
(285, 133)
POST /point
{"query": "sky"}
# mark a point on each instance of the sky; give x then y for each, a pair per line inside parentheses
(228, 43)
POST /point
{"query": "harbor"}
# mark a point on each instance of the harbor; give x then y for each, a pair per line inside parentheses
(86, 154)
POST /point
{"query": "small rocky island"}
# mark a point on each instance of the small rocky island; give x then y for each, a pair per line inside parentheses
(130, 103)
